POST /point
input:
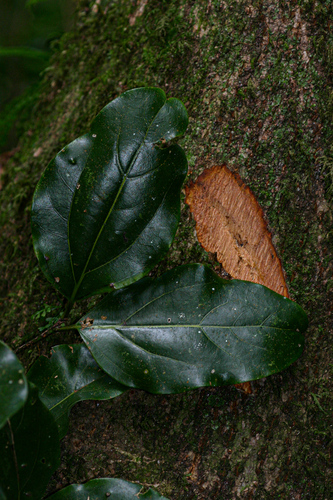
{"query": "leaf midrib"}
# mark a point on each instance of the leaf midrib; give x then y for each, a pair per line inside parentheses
(77, 286)
(135, 240)
(74, 392)
(178, 325)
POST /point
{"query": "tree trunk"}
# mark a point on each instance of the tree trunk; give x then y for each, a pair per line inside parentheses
(255, 77)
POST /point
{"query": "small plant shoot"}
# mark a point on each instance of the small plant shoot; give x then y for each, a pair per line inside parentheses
(104, 213)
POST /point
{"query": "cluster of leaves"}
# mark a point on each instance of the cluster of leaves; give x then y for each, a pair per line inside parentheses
(104, 213)
(34, 416)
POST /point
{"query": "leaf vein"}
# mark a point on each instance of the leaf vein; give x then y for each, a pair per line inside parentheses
(217, 346)
(132, 163)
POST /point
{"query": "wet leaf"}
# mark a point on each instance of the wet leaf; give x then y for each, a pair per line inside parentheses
(2, 495)
(190, 328)
(69, 376)
(230, 223)
(29, 450)
(107, 207)
(13, 384)
(99, 489)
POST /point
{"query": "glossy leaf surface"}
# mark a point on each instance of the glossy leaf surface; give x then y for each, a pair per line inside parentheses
(29, 450)
(107, 207)
(99, 489)
(69, 376)
(2, 495)
(190, 328)
(13, 384)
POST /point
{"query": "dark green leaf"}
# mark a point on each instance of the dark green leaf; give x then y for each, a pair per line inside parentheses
(107, 207)
(2, 495)
(29, 450)
(100, 489)
(190, 328)
(69, 376)
(28, 52)
(13, 384)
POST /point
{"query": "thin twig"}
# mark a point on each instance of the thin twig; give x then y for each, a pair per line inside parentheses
(47, 333)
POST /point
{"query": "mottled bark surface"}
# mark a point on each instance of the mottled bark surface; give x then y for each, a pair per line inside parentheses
(256, 80)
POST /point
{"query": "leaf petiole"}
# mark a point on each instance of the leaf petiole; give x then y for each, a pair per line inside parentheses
(70, 327)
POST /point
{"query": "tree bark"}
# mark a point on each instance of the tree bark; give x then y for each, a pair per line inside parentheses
(255, 77)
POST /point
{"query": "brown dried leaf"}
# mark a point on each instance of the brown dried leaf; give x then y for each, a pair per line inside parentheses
(230, 222)
(245, 388)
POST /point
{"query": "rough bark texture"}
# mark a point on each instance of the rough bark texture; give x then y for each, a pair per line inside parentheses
(255, 77)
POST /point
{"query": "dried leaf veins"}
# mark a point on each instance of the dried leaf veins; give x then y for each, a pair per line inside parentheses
(230, 223)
